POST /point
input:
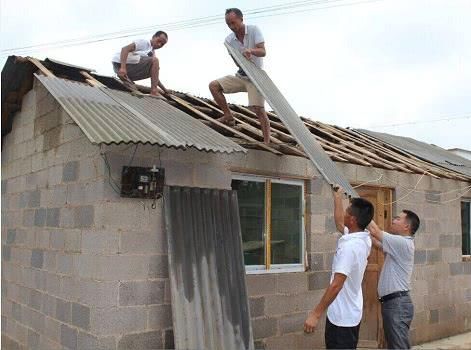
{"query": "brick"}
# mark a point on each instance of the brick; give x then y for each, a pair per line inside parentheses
(420, 257)
(70, 171)
(146, 340)
(159, 317)
(37, 257)
(257, 307)
(80, 316)
(84, 216)
(40, 217)
(292, 323)
(68, 337)
(141, 293)
(53, 216)
(264, 327)
(11, 236)
(319, 280)
(63, 310)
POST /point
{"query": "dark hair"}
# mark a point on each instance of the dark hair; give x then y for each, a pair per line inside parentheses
(413, 220)
(159, 33)
(362, 210)
(236, 11)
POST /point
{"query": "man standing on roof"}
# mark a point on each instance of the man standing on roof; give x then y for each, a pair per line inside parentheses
(137, 61)
(249, 40)
(394, 281)
(343, 298)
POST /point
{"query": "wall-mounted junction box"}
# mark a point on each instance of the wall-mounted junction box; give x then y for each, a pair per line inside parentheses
(139, 182)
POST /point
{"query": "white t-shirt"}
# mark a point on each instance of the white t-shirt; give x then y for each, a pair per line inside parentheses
(253, 36)
(350, 259)
(143, 48)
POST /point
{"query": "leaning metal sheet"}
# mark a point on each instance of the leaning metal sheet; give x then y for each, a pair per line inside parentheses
(293, 123)
(206, 269)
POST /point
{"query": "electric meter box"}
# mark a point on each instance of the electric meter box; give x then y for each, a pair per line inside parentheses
(140, 182)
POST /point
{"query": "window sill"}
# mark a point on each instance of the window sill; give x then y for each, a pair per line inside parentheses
(299, 268)
(466, 258)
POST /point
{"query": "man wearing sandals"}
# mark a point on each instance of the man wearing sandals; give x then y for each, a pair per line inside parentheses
(137, 61)
(249, 40)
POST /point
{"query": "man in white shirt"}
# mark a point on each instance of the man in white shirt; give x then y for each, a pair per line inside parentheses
(394, 281)
(249, 40)
(343, 298)
(137, 61)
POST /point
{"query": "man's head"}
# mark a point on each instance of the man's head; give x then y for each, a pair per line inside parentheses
(234, 19)
(405, 224)
(358, 214)
(159, 39)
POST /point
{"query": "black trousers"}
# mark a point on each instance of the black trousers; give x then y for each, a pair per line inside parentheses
(340, 337)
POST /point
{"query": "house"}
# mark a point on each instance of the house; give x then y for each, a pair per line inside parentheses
(86, 266)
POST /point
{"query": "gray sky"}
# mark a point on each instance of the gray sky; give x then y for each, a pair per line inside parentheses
(370, 65)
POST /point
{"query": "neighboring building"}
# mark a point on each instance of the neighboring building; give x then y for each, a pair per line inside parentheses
(83, 267)
(461, 152)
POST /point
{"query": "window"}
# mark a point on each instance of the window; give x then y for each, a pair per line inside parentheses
(466, 227)
(272, 223)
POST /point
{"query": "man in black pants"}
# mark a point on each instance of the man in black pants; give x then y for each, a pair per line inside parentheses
(343, 299)
(394, 282)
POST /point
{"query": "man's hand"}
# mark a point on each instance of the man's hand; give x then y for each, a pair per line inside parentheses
(123, 73)
(247, 53)
(311, 322)
(338, 191)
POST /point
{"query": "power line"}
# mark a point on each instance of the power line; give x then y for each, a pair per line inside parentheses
(420, 122)
(188, 24)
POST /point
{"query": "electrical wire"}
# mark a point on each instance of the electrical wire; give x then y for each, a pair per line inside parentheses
(187, 24)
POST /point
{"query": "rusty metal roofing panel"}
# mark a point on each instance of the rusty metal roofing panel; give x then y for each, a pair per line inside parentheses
(108, 116)
(293, 122)
(425, 151)
(206, 268)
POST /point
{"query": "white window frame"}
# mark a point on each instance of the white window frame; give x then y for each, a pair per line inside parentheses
(280, 268)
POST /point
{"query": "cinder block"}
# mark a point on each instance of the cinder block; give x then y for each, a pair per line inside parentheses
(420, 257)
(57, 239)
(104, 242)
(118, 320)
(81, 316)
(68, 337)
(53, 284)
(456, 268)
(261, 284)
(11, 236)
(53, 216)
(40, 217)
(141, 293)
(63, 310)
(89, 341)
(48, 307)
(35, 300)
(70, 171)
(34, 199)
(65, 264)
(290, 283)
(316, 261)
(158, 266)
(37, 257)
(33, 339)
(6, 253)
(146, 340)
(257, 307)
(84, 216)
(98, 294)
(53, 197)
(292, 323)
(319, 280)
(159, 317)
(169, 341)
(16, 311)
(264, 327)
(434, 256)
(55, 175)
(433, 196)
(151, 242)
(73, 240)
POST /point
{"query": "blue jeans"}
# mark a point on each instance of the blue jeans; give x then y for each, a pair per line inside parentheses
(397, 317)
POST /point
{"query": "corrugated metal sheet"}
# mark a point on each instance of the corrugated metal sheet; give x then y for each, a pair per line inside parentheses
(431, 153)
(292, 122)
(109, 116)
(206, 268)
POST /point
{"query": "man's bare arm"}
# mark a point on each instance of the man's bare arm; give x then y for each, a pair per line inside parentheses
(338, 209)
(377, 243)
(375, 231)
(329, 296)
(258, 51)
(124, 58)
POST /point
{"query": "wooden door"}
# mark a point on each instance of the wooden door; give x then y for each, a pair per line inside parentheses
(371, 329)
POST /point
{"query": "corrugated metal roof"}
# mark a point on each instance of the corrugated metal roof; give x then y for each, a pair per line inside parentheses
(292, 122)
(425, 151)
(206, 269)
(109, 116)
